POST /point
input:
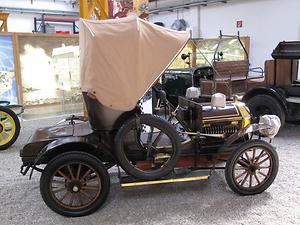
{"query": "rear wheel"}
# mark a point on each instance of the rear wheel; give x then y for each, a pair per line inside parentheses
(9, 127)
(252, 167)
(74, 184)
(147, 147)
(260, 105)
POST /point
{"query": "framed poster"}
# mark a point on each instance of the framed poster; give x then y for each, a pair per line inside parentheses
(8, 86)
(49, 68)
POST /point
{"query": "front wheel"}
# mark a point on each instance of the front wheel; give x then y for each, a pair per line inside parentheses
(9, 127)
(252, 167)
(74, 184)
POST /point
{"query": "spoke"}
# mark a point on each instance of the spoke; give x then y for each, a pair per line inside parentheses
(253, 156)
(241, 162)
(248, 158)
(263, 161)
(90, 187)
(8, 127)
(64, 196)
(157, 139)
(262, 173)
(250, 183)
(245, 179)
(241, 174)
(70, 171)
(78, 172)
(256, 178)
(137, 134)
(58, 190)
(262, 154)
(264, 167)
(62, 174)
(86, 173)
(85, 194)
(91, 180)
(71, 200)
(149, 139)
(3, 119)
(80, 199)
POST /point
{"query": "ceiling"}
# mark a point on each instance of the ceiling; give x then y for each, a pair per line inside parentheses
(157, 6)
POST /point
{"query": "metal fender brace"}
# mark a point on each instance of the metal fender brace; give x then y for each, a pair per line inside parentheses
(250, 129)
(33, 165)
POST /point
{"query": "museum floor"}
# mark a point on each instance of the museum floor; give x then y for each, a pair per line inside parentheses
(206, 202)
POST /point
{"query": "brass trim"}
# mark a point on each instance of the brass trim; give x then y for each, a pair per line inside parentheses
(222, 119)
(245, 115)
(133, 184)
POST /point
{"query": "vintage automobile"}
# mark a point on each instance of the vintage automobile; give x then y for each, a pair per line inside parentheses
(74, 157)
(282, 85)
(221, 75)
(9, 123)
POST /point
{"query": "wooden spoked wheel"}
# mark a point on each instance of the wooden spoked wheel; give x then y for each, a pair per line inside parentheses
(252, 167)
(74, 184)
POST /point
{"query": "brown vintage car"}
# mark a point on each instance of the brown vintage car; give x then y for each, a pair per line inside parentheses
(192, 137)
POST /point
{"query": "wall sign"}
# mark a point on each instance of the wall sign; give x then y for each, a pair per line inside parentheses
(239, 23)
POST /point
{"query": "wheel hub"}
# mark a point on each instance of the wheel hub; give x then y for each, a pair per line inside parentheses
(253, 168)
(74, 186)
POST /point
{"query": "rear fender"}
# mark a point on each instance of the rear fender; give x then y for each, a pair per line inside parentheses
(84, 144)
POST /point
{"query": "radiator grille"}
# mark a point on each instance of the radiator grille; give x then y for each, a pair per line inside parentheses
(220, 129)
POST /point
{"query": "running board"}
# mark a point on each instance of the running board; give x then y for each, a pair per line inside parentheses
(130, 182)
(293, 99)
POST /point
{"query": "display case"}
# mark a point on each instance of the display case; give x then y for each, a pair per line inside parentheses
(49, 69)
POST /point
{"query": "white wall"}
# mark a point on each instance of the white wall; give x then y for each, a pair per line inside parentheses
(23, 22)
(266, 22)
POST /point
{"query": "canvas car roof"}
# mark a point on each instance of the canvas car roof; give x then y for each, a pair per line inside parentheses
(122, 58)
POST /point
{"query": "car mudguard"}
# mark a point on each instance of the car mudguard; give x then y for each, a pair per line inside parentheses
(60, 145)
(275, 92)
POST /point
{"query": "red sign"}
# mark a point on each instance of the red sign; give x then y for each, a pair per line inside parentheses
(239, 23)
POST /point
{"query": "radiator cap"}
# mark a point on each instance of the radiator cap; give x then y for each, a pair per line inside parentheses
(218, 100)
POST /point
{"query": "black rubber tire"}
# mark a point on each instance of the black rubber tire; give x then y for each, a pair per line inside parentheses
(267, 102)
(229, 169)
(81, 157)
(17, 124)
(166, 128)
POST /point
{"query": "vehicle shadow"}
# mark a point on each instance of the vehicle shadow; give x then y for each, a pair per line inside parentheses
(209, 200)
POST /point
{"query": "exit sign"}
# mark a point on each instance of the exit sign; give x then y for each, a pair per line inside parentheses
(239, 23)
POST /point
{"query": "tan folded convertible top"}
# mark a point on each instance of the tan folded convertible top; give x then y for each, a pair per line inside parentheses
(122, 58)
